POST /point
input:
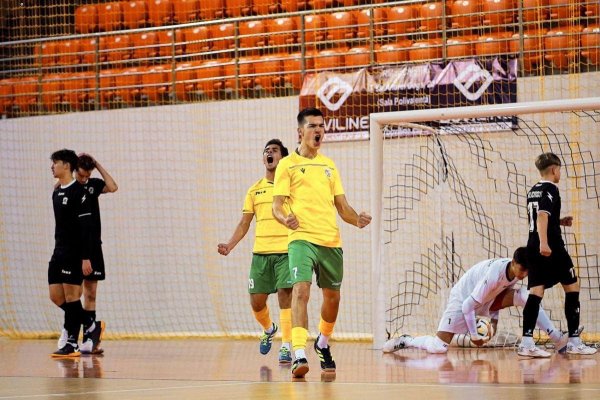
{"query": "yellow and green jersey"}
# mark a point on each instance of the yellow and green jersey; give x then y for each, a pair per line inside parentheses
(310, 186)
(271, 236)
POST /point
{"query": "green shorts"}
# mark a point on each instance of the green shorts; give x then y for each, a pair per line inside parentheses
(268, 273)
(327, 262)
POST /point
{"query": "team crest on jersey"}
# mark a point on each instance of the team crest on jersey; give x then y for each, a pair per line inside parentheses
(328, 173)
(91, 190)
(65, 201)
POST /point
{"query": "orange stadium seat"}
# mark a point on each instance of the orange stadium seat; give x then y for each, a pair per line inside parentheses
(86, 19)
(90, 46)
(118, 48)
(358, 57)
(465, 14)
(197, 41)
(107, 87)
(185, 77)
(7, 95)
(533, 48)
(223, 37)
(210, 78)
(493, 44)
(498, 12)
(145, 45)
(289, 5)
(110, 16)
(46, 52)
(562, 46)
(461, 46)
(135, 14)
(69, 52)
(591, 8)
(26, 93)
(186, 10)
(241, 72)
(156, 84)
(252, 36)
(363, 20)
(238, 8)
(52, 91)
(315, 29)
(293, 73)
(432, 17)
(166, 39)
(535, 11)
(127, 85)
(212, 9)
(393, 53)
(311, 4)
(590, 44)
(79, 88)
(341, 26)
(283, 31)
(565, 9)
(329, 60)
(425, 50)
(402, 20)
(264, 7)
(269, 73)
(160, 12)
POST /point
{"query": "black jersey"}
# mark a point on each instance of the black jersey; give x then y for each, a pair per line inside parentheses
(73, 216)
(544, 197)
(94, 187)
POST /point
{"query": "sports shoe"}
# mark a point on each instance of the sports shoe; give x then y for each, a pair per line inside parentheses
(299, 367)
(68, 350)
(533, 352)
(396, 344)
(581, 349)
(561, 343)
(285, 356)
(327, 362)
(62, 340)
(266, 339)
(92, 340)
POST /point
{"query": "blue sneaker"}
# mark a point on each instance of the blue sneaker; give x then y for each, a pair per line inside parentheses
(266, 339)
(285, 356)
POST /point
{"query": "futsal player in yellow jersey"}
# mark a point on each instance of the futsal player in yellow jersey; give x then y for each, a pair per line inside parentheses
(269, 271)
(309, 183)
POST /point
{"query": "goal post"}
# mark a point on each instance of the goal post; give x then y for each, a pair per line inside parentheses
(405, 167)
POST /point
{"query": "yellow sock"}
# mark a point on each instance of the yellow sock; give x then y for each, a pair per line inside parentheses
(264, 318)
(285, 321)
(326, 328)
(299, 336)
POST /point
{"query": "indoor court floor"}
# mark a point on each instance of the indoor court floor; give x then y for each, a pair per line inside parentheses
(234, 369)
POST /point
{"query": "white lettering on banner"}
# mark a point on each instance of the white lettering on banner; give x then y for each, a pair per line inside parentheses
(402, 101)
(477, 74)
(331, 87)
(346, 124)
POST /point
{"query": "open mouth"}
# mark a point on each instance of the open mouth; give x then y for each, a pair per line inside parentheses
(269, 159)
(318, 138)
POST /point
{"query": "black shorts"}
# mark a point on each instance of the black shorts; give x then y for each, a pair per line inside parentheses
(64, 268)
(97, 260)
(548, 271)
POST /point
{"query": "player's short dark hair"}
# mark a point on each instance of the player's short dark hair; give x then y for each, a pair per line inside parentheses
(86, 162)
(308, 112)
(284, 151)
(521, 256)
(66, 156)
(546, 160)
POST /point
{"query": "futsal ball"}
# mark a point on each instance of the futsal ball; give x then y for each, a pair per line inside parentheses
(484, 327)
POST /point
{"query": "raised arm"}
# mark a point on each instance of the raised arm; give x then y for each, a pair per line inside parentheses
(110, 186)
(348, 214)
(238, 234)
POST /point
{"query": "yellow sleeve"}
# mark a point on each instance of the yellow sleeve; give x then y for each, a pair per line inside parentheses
(248, 204)
(338, 188)
(282, 180)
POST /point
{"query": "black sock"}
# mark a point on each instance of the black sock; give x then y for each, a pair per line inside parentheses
(572, 313)
(73, 318)
(89, 317)
(530, 314)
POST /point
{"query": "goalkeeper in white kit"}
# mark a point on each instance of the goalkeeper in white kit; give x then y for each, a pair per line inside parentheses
(483, 290)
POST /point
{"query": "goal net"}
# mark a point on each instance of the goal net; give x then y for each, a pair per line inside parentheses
(448, 189)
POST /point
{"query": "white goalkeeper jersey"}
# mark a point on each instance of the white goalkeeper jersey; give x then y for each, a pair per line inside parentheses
(484, 282)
